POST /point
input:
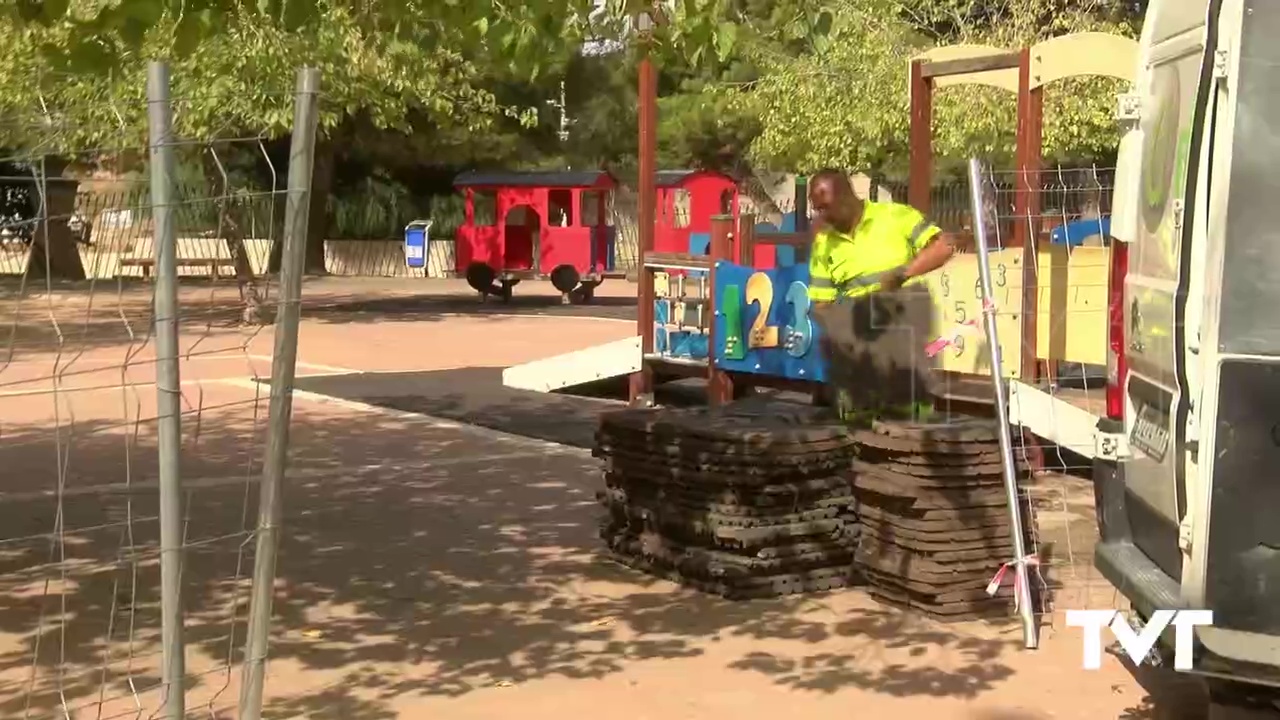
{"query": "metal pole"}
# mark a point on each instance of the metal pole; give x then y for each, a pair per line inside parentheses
(1022, 586)
(284, 357)
(168, 389)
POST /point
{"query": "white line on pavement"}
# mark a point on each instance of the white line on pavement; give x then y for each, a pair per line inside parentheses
(204, 483)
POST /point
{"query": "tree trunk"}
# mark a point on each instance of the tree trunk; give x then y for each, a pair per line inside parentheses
(251, 295)
(54, 252)
(317, 215)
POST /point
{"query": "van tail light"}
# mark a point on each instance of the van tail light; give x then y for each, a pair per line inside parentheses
(1117, 367)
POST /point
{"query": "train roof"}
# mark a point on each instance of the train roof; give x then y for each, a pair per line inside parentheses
(537, 178)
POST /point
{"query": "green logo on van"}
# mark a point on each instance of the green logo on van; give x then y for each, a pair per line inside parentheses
(1164, 148)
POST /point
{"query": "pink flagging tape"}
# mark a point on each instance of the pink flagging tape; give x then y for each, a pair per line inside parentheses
(958, 331)
(952, 338)
(994, 585)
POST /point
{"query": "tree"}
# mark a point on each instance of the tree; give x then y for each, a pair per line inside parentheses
(394, 67)
(844, 103)
(834, 105)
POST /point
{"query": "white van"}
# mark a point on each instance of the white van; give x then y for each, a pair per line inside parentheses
(1185, 503)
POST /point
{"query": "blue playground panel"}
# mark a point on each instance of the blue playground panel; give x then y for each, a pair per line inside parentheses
(1076, 232)
(788, 311)
(676, 343)
(699, 244)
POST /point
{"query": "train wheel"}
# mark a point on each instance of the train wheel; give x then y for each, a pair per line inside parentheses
(584, 293)
(480, 277)
(565, 278)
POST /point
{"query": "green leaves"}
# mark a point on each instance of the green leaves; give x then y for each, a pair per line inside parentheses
(843, 102)
(726, 36)
(53, 10)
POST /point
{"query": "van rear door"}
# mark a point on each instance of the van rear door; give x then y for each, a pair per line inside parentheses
(1155, 491)
(1234, 566)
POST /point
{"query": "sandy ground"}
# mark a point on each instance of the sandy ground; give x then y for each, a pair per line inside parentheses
(429, 569)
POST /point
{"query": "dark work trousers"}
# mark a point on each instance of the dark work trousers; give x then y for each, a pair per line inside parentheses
(874, 347)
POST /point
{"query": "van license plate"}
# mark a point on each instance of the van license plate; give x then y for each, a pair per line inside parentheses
(1150, 433)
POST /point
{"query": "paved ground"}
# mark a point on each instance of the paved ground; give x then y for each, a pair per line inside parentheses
(431, 569)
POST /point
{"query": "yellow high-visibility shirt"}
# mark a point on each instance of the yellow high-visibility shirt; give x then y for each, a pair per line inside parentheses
(850, 264)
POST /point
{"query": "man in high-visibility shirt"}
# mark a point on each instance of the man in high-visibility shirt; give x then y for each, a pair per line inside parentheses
(866, 283)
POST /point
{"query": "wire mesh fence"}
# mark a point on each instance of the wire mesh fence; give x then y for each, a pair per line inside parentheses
(133, 428)
(1058, 397)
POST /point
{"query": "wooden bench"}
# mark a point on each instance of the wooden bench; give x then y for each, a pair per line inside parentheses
(214, 265)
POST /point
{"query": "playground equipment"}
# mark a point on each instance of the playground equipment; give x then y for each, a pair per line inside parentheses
(677, 290)
(1053, 294)
(736, 315)
(545, 225)
(687, 199)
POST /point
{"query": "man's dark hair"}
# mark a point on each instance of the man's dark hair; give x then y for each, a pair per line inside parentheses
(836, 177)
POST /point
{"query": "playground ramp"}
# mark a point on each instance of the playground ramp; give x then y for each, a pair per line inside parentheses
(559, 372)
(1065, 418)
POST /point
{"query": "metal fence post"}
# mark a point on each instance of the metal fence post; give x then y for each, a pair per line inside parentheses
(168, 389)
(301, 164)
(1022, 584)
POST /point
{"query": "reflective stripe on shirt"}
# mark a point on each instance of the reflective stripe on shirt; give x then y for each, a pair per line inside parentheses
(887, 238)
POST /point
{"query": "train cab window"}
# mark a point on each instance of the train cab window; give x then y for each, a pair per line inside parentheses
(682, 206)
(560, 208)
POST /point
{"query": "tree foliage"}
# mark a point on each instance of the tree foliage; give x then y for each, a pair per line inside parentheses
(238, 80)
(845, 104)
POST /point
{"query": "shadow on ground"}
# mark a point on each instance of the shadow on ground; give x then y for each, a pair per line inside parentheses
(105, 313)
(441, 306)
(429, 574)
(476, 395)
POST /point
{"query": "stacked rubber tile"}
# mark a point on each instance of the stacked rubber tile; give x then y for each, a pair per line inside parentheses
(935, 519)
(748, 500)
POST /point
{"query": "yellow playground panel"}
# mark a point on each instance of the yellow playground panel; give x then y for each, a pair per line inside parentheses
(1071, 298)
(1072, 302)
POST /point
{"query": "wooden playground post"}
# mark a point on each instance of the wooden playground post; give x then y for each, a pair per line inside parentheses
(641, 385)
(920, 137)
(719, 382)
(923, 81)
(1026, 209)
(746, 239)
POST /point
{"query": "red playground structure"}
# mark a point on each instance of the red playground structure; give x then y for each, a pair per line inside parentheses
(687, 200)
(543, 225)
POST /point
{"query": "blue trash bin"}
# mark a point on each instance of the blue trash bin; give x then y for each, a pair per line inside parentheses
(416, 240)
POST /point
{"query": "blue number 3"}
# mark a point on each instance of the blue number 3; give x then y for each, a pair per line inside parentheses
(799, 336)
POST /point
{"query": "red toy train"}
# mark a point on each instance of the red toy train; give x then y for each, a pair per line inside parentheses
(557, 226)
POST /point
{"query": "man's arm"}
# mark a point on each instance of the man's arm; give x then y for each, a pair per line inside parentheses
(932, 248)
(934, 255)
(822, 288)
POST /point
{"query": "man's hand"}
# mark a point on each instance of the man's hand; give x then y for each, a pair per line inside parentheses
(893, 279)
